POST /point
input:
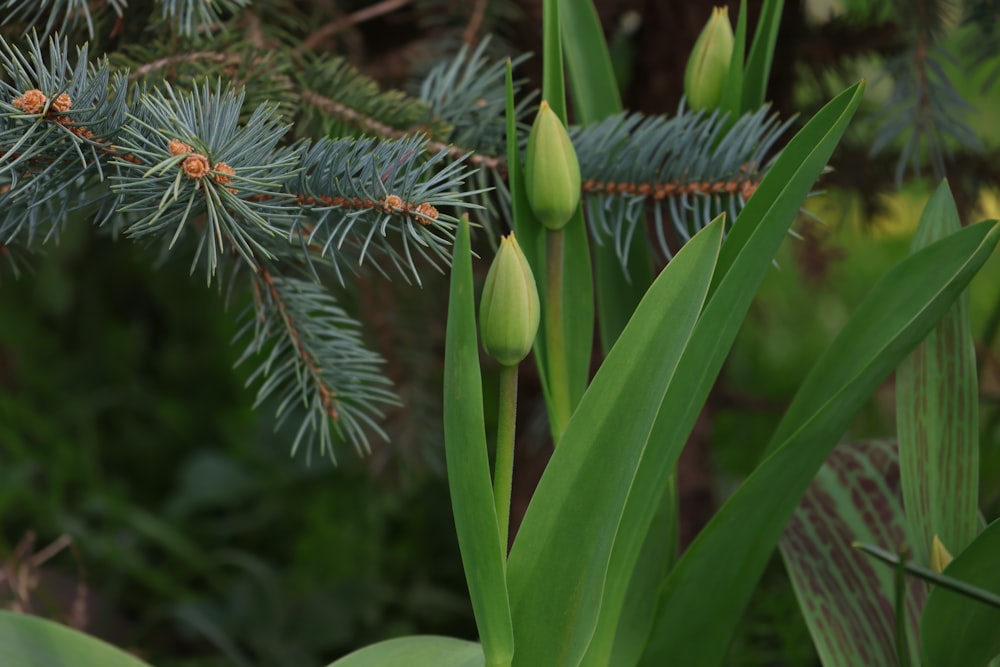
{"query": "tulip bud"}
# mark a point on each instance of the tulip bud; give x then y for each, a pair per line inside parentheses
(509, 311)
(551, 170)
(940, 557)
(708, 65)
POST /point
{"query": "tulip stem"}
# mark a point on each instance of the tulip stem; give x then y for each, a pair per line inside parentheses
(555, 339)
(503, 476)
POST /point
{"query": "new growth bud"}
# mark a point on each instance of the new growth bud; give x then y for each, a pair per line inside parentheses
(509, 311)
(708, 66)
(551, 170)
(940, 557)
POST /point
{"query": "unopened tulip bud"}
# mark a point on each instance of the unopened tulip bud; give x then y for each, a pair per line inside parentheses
(551, 170)
(509, 311)
(708, 66)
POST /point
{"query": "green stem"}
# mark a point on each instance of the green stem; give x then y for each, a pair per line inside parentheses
(504, 474)
(555, 339)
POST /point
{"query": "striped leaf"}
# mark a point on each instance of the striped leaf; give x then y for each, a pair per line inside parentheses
(938, 416)
(846, 597)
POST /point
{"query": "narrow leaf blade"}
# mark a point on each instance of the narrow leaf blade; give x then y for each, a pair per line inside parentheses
(595, 97)
(588, 62)
(468, 464)
(937, 407)
(758, 69)
(732, 91)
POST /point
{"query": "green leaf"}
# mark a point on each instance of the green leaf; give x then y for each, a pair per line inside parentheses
(416, 651)
(758, 68)
(745, 258)
(620, 640)
(468, 464)
(937, 407)
(30, 641)
(578, 306)
(732, 90)
(708, 590)
(553, 86)
(558, 563)
(595, 97)
(591, 74)
(957, 631)
(846, 601)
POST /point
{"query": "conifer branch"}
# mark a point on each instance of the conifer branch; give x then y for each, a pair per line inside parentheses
(316, 361)
(194, 170)
(925, 111)
(687, 169)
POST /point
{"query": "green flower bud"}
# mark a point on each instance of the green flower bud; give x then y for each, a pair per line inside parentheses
(509, 311)
(708, 65)
(551, 170)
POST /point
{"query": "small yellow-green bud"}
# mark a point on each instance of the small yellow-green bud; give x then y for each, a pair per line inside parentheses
(509, 311)
(940, 557)
(708, 65)
(551, 170)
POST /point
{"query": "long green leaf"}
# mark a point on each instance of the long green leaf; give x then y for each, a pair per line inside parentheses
(957, 631)
(468, 464)
(553, 86)
(416, 651)
(937, 408)
(558, 563)
(591, 75)
(732, 90)
(746, 257)
(595, 97)
(758, 69)
(846, 600)
(708, 590)
(30, 641)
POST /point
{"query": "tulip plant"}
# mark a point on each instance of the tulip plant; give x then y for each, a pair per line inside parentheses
(593, 577)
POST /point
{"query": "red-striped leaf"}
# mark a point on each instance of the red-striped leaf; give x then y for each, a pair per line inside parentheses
(937, 421)
(846, 597)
